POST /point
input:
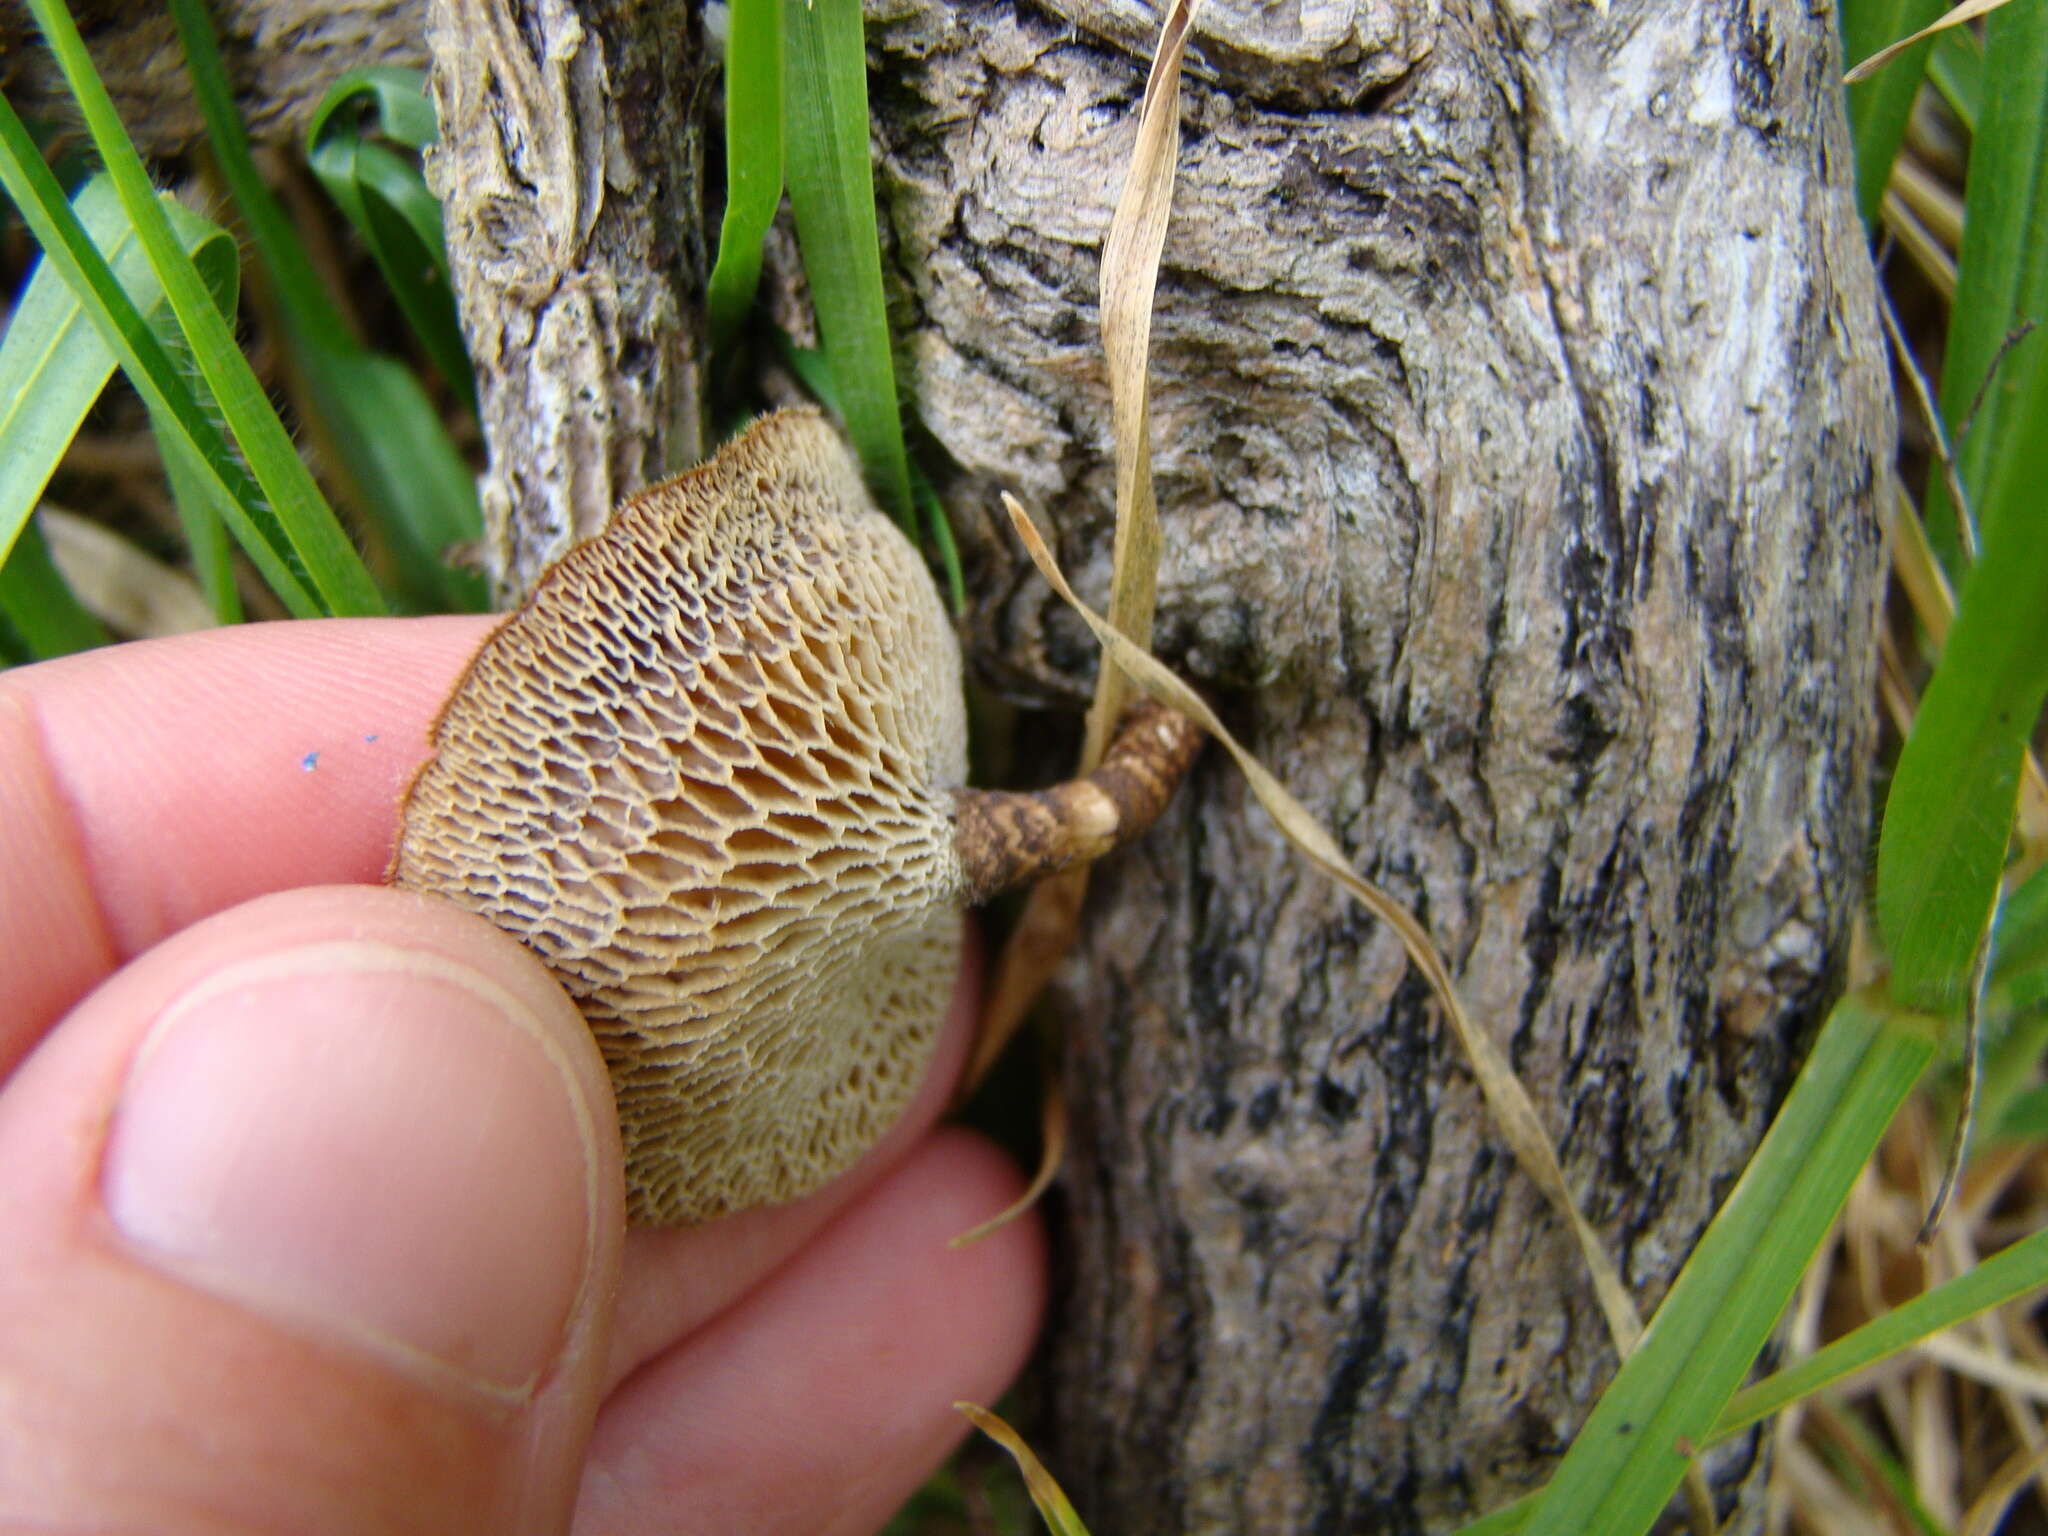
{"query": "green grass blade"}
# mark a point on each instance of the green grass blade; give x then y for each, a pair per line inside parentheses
(2001, 283)
(403, 231)
(198, 505)
(2006, 1276)
(395, 189)
(2025, 1118)
(934, 513)
(335, 570)
(35, 193)
(1627, 1461)
(1957, 69)
(2011, 1061)
(2012, 1106)
(1879, 106)
(813, 370)
(299, 288)
(53, 363)
(365, 412)
(385, 197)
(2024, 991)
(1502, 1521)
(2022, 940)
(37, 601)
(387, 431)
(1864, 1461)
(832, 194)
(1949, 816)
(753, 162)
(396, 98)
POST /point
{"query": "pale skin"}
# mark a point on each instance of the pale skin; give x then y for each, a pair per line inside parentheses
(309, 1196)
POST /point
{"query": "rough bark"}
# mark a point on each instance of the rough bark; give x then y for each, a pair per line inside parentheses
(570, 172)
(281, 54)
(1519, 408)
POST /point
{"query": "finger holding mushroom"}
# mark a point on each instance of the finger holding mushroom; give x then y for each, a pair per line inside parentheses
(712, 774)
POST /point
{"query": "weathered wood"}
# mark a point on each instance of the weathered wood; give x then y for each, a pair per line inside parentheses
(1519, 407)
(570, 172)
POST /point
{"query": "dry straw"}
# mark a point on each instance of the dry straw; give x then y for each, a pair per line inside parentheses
(1969, 10)
(1050, 921)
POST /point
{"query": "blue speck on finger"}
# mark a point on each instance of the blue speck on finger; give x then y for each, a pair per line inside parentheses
(309, 762)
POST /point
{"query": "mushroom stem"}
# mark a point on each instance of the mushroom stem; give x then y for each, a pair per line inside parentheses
(1008, 838)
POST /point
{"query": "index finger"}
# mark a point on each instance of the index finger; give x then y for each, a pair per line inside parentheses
(146, 786)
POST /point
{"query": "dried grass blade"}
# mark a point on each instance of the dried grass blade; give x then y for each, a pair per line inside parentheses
(1050, 920)
(1969, 10)
(1987, 1512)
(1991, 1367)
(1512, 1110)
(1914, 563)
(1044, 934)
(1920, 244)
(1052, 1145)
(121, 584)
(1130, 278)
(1052, 1502)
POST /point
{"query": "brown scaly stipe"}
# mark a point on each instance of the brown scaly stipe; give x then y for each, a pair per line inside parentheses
(1008, 839)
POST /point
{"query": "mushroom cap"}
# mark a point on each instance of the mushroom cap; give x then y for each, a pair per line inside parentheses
(706, 775)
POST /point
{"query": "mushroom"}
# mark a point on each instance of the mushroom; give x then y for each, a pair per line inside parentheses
(711, 775)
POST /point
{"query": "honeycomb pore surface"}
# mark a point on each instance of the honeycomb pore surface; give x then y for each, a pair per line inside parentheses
(705, 774)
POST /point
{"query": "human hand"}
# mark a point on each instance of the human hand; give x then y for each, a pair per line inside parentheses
(310, 1201)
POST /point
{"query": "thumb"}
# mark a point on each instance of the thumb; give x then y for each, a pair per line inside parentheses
(310, 1221)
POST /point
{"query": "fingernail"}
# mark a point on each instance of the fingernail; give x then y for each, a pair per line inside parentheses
(370, 1140)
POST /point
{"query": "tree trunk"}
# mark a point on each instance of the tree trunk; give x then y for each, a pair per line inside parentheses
(570, 173)
(1520, 414)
